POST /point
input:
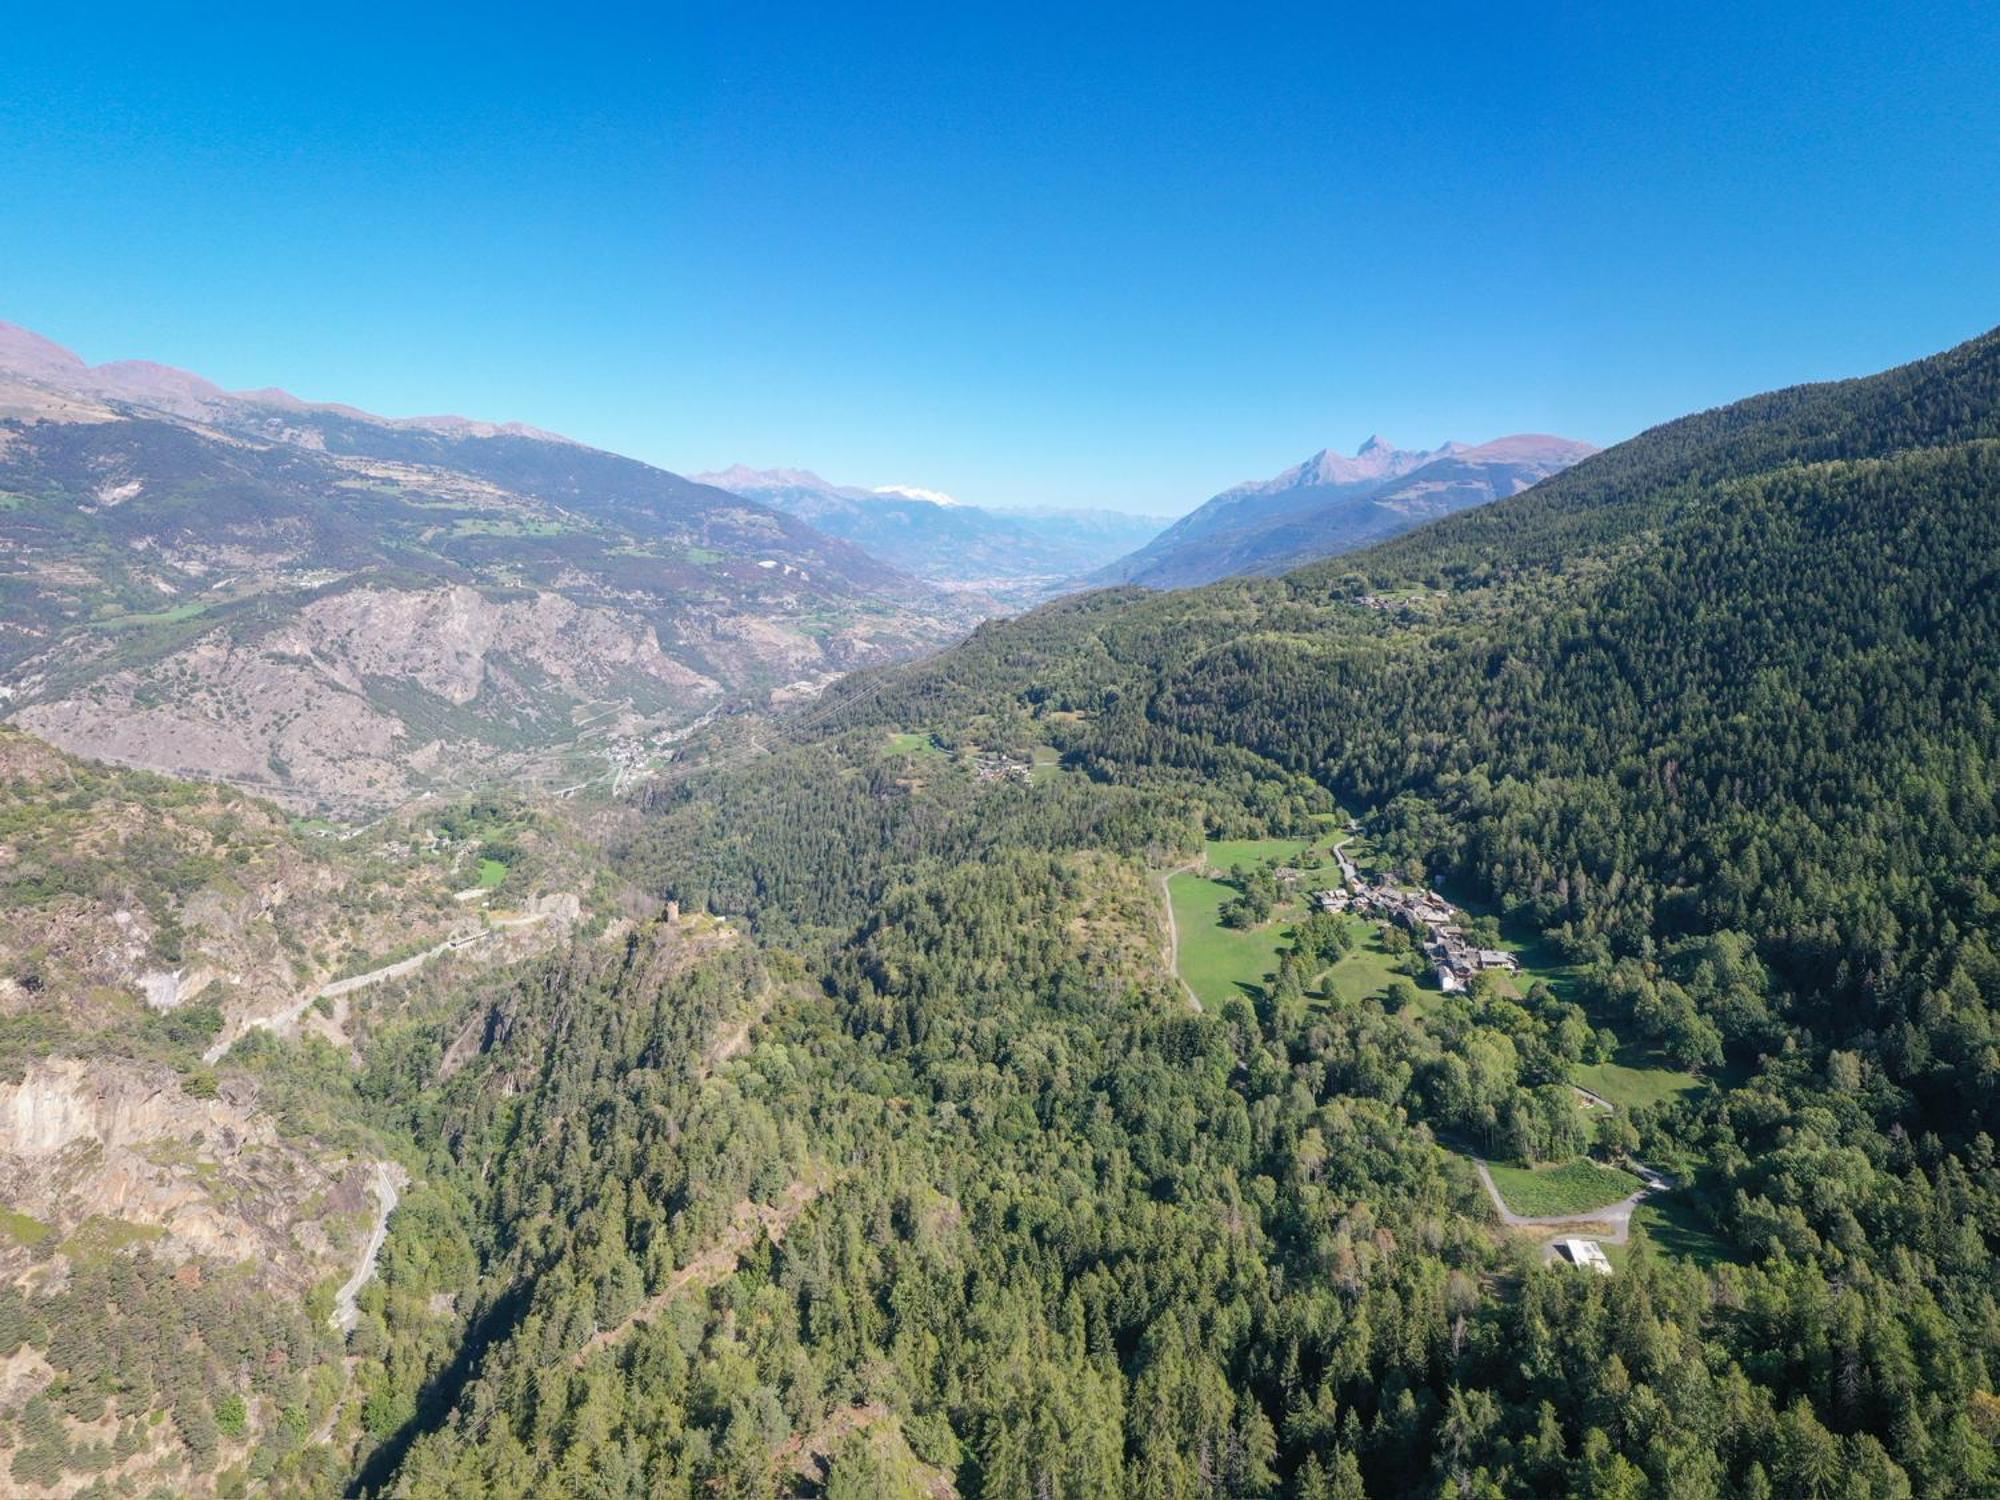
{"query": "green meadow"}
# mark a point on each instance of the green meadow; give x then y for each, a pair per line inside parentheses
(1576, 1187)
(1631, 1084)
(1220, 963)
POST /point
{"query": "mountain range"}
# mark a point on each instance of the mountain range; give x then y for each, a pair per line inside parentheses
(1014, 556)
(338, 608)
(1333, 503)
(993, 1086)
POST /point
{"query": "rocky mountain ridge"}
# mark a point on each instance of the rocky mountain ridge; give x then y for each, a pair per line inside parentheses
(1332, 503)
(340, 610)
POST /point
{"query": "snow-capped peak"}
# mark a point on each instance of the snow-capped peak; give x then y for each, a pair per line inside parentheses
(913, 492)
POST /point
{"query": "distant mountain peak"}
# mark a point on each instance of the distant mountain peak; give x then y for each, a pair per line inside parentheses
(915, 492)
(1334, 501)
(28, 353)
(742, 478)
(181, 393)
(1011, 555)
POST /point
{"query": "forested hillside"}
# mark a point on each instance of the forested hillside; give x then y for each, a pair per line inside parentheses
(897, 1157)
(1715, 711)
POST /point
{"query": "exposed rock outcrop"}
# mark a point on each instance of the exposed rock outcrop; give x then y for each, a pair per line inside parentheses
(124, 1146)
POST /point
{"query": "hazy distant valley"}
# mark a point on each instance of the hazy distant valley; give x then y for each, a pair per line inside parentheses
(1017, 557)
(341, 610)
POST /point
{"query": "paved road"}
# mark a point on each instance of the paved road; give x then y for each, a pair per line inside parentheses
(346, 1307)
(285, 1019)
(1348, 873)
(1616, 1218)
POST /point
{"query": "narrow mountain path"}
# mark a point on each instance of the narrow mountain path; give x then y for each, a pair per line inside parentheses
(736, 1040)
(346, 1305)
(1174, 929)
(749, 1223)
(807, 1456)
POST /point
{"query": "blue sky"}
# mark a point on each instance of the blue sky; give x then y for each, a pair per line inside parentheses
(1025, 254)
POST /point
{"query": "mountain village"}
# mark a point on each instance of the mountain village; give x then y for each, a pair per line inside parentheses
(1431, 919)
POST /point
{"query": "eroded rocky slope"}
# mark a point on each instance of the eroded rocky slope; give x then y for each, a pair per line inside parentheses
(339, 610)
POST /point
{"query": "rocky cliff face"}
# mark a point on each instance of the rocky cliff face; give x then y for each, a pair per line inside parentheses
(126, 898)
(103, 1153)
(365, 694)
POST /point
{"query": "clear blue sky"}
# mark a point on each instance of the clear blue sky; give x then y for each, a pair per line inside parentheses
(1058, 254)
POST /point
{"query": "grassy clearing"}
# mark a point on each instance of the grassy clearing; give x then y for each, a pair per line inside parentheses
(907, 742)
(491, 873)
(1632, 1083)
(1220, 963)
(1047, 764)
(1577, 1187)
(1672, 1225)
(505, 526)
(173, 616)
(1223, 854)
(22, 1229)
(1366, 970)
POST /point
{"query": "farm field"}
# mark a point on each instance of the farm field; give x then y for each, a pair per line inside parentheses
(1223, 854)
(1220, 963)
(172, 616)
(1576, 1187)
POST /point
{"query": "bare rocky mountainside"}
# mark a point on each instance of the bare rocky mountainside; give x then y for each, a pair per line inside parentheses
(1332, 503)
(182, 966)
(340, 610)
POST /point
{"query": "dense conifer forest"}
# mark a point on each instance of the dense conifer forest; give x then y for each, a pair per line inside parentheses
(898, 1162)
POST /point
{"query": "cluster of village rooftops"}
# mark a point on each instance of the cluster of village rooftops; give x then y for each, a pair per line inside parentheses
(1432, 919)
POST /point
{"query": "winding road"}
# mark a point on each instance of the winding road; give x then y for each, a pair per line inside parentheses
(1347, 871)
(1614, 1218)
(1617, 1217)
(285, 1019)
(346, 1306)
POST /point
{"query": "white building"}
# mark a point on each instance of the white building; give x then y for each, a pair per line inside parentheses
(1586, 1253)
